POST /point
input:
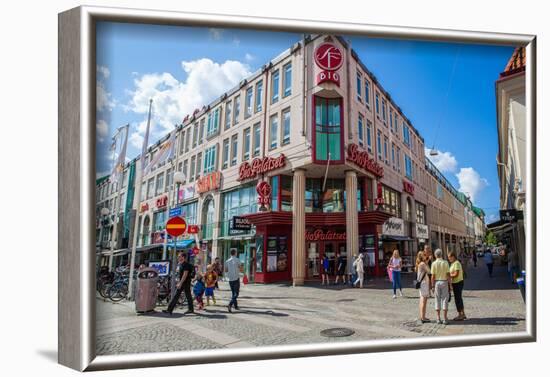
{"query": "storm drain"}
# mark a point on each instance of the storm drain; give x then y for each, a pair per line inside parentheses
(337, 332)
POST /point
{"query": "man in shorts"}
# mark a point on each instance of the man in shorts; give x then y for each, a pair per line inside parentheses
(441, 282)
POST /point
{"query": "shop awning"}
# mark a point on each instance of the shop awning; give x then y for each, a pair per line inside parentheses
(180, 244)
(395, 238)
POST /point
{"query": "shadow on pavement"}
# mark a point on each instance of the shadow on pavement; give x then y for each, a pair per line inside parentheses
(490, 321)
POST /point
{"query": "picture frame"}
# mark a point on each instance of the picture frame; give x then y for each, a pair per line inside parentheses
(77, 104)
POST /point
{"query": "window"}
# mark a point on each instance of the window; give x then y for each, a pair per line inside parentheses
(189, 212)
(408, 167)
(256, 139)
(377, 104)
(181, 143)
(169, 178)
(393, 155)
(213, 123)
(391, 119)
(237, 202)
(369, 136)
(234, 145)
(273, 131)
(237, 111)
(328, 131)
(286, 126)
(143, 191)
(225, 154)
(246, 144)
(150, 188)
(439, 192)
(187, 137)
(379, 144)
(248, 103)
(210, 159)
(287, 79)
(275, 193)
(184, 170)
(195, 134)
(395, 127)
(259, 93)
(275, 87)
(406, 135)
(367, 92)
(360, 129)
(408, 210)
(192, 170)
(125, 178)
(386, 150)
(199, 163)
(160, 184)
(159, 221)
(420, 213)
(398, 157)
(227, 115)
(359, 87)
(392, 201)
(384, 110)
(201, 131)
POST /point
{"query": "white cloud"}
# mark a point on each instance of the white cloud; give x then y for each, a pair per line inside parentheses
(215, 34)
(104, 71)
(491, 218)
(444, 161)
(102, 130)
(173, 99)
(104, 100)
(249, 57)
(471, 183)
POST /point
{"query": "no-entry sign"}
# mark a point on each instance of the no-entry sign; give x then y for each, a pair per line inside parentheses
(176, 226)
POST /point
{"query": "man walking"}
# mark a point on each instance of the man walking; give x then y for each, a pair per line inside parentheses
(232, 269)
(185, 273)
(441, 281)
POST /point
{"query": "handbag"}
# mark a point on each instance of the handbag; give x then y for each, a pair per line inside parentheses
(417, 283)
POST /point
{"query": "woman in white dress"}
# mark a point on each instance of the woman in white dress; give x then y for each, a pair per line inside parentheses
(422, 271)
(360, 270)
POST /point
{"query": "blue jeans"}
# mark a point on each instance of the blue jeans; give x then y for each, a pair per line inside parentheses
(235, 285)
(396, 280)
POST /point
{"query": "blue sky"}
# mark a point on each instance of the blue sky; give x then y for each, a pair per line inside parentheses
(184, 68)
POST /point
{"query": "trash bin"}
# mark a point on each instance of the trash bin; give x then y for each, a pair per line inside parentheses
(521, 284)
(146, 290)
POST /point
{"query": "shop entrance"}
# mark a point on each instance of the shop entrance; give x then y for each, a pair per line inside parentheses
(315, 253)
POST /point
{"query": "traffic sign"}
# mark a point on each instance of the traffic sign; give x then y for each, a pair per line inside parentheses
(174, 212)
(176, 226)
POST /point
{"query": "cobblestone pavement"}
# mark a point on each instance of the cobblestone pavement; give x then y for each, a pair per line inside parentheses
(279, 314)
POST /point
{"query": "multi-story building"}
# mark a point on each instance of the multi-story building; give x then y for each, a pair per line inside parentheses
(318, 159)
(479, 225)
(511, 158)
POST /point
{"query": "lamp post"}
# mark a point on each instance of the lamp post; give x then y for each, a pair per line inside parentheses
(179, 179)
(103, 213)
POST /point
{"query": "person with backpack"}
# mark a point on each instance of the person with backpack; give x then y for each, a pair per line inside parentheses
(186, 273)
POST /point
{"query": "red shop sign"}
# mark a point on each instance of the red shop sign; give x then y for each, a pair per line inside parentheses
(144, 207)
(363, 160)
(209, 182)
(162, 201)
(264, 191)
(329, 235)
(408, 187)
(193, 229)
(260, 166)
(328, 76)
(328, 57)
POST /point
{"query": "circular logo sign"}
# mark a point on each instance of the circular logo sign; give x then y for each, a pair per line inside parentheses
(263, 189)
(328, 57)
(176, 226)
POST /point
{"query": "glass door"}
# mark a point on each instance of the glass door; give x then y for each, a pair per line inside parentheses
(313, 260)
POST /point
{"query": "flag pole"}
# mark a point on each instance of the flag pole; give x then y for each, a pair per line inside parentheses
(137, 201)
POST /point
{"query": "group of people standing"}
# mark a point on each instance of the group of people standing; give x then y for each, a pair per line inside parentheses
(204, 285)
(439, 278)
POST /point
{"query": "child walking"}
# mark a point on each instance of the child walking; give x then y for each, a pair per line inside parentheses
(198, 291)
(211, 279)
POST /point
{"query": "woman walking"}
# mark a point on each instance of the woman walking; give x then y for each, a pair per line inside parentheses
(360, 269)
(488, 259)
(324, 270)
(457, 280)
(422, 270)
(395, 264)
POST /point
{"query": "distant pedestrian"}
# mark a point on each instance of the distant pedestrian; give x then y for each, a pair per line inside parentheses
(211, 277)
(185, 271)
(340, 268)
(457, 279)
(396, 263)
(359, 267)
(219, 270)
(198, 291)
(422, 270)
(474, 258)
(325, 279)
(488, 259)
(441, 281)
(353, 273)
(233, 269)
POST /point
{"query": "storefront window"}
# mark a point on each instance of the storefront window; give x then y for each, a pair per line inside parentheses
(208, 219)
(159, 221)
(392, 201)
(286, 193)
(331, 200)
(313, 195)
(275, 193)
(235, 203)
(259, 253)
(277, 254)
(328, 129)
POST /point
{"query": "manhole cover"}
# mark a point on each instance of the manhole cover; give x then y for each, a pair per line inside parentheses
(337, 332)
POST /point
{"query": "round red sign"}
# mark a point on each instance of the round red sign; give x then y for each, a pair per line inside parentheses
(328, 57)
(176, 226)
(263, 189)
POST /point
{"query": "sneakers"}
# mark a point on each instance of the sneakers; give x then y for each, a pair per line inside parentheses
(189, 312)
(394, 296)
(445, 322)
(425, 320)
(229, 308)
(400, 293)
(439, 322)
(166, 311)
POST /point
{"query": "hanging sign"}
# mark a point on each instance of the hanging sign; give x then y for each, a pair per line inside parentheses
(394, 226)
(329, 58)
(264, 191)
